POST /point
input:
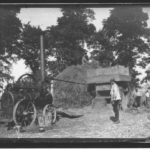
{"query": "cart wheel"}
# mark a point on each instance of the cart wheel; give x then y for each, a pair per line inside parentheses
(7, 103)
(49, 113)
(24, 113)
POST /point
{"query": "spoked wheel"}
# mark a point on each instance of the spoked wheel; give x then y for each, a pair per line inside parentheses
(7, 103)
(24, 113)
(26, 77)
(49, 114)
(26, 80)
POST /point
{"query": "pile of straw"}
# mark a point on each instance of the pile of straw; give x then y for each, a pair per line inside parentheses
(71, 95)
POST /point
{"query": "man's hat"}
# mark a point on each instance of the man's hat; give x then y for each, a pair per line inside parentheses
(112, 80)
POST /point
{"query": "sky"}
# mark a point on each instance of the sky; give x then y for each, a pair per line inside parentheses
(45, 17)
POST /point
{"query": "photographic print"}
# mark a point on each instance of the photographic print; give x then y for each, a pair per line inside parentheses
(74, 73)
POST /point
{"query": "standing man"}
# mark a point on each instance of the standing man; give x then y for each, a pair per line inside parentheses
(115, 100)
(85, 58)
(147, 94)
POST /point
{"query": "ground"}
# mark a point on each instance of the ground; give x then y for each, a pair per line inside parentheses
(95, 123)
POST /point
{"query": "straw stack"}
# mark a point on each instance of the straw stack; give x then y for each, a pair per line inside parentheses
(69, 95)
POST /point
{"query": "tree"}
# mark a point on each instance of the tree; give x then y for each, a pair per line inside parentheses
(30, 46)
(10, 29)
(126, 29)
(102, 49)
(67, 38)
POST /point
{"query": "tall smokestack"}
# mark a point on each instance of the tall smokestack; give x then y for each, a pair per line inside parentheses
(42, 58)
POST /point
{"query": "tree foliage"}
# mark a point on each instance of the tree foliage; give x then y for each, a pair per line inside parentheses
(30, 46)
(10, 29)
(64, 41)
(102, 49)
(67, 38)
(125, 30)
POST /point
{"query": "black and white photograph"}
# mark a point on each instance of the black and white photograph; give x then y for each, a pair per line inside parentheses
(75, 72)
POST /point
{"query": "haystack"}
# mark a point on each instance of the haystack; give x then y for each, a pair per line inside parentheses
(71, 95)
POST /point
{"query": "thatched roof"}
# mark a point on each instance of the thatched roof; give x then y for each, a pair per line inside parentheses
(104, 75)
(71, 94)
(106, 78)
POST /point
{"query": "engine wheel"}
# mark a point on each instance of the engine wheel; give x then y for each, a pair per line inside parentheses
(24, 113)
(7, 103)
(49, 113)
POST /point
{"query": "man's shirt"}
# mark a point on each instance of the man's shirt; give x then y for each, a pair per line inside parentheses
(147, 93)
(115, 92)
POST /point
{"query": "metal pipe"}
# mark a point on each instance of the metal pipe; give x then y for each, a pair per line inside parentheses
(42, 59)
(67, 81)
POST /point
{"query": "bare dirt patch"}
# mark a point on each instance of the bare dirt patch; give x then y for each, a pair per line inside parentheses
(93, 124)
